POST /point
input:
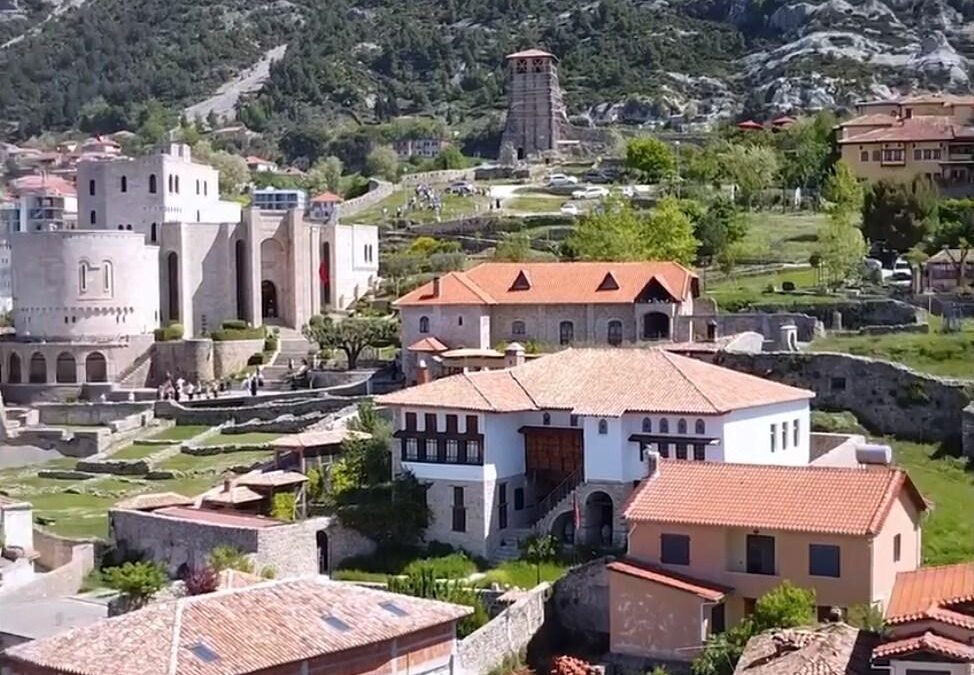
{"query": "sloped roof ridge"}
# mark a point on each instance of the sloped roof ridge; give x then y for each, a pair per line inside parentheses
(527, 392)
(473, 384)
(174, 638)
(473, 287)
(669, 357)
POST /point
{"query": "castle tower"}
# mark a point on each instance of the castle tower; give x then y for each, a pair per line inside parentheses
(536, 119)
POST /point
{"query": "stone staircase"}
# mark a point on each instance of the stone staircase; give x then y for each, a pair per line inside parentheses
(510, 545)
(293, 346)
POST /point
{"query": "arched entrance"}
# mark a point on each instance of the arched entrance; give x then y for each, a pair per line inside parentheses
(321, 539)
(598, 519)
(96, 368)
(563, 528)
(38, 369)
(66, 370)
(268, 299)
(14, 376)
(240, 268)
(324, 274)
(656, 326)
(172, 270)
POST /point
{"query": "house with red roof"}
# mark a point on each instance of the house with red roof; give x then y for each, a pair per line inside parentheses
(556, 444)
(707, 539)
(553, 304)
(323, 208)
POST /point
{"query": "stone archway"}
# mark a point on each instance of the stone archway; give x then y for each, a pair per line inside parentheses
(599, 519)
(14, 372)
(274, 287)
(656, 326)
(65, 369)
(321, 540)
(563, 528)
(268, 300)
(37, 373)
(96, 368)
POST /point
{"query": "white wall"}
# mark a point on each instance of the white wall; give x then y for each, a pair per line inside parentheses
(17, 526)
(747, 434)
(605, 453)
(354, 261)
(504, 444)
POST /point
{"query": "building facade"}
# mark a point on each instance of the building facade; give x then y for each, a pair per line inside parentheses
(274, 199)
(427, 148)
(536, 119)
(706, 540)
(553, 304)
(524, 449)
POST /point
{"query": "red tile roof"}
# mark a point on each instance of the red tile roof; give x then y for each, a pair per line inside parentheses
(849, 501)
(928, 642)
(223, 518)
(529, 53)
(153, 501)
(923, 128)
(704, 589)
(606, 382)
(871, 120)
(427, 344)
(43, 183)
(750, 125)
(553, 283)
(238, 631)
(917, 593)
(828, 649)
(326, 198)
(272, 479)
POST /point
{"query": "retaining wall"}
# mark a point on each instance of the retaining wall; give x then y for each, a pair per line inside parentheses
(507, 634)
(855, 313)
(215, 416)
(693, 328)
(77, 558)
(200, 359)
(380, 191)
(90, 414)
(967, 430)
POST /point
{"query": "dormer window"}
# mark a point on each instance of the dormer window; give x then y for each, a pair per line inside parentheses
(609, 283)
(521, 282)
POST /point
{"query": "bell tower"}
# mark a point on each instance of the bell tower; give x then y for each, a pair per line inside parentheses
(536, 118)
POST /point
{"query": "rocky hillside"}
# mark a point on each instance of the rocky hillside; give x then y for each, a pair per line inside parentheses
(622, 60)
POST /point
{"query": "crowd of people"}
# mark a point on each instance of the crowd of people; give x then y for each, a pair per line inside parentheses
(180, 389)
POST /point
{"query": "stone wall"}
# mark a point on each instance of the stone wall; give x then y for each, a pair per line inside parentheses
(78, 560)
(855, 313)
(967, 430)
(77, 443)
(694, 328)
(54, 551)
(436, 177)
(190, 359)
(345, 543)
(380, 191)
(231, 356)
(89, 414)
(886, 397)
(580, 602)
(215, 416)
(506, 635)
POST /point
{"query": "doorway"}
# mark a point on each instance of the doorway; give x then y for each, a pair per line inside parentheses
(268, 299)
(656, 326)
(321, 539)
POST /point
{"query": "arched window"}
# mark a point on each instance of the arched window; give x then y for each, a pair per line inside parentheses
(615, 333)
(664, 426)
(681, 427)
(65, 371)
(124, 183)
(153, 232)
(424, 324)
(647, 425)
(603, 427)
(170, 182)
(197, 216)
(129, 227)
(121, 227)
(699, 428)
(83, 277)
(13, 374)
(96, 368)
(566, 332)
(91, 187)
(205, 189)
(177, 185)
(197, 186)
(38, 369)
(153, 188)
(546, 419)
(107, 281)
(93, 217)
(518, 328)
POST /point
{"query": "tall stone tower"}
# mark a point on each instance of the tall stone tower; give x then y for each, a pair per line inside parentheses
(536, 119)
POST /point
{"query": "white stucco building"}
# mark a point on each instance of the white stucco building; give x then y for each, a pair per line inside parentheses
(526, 446)
(16, 530)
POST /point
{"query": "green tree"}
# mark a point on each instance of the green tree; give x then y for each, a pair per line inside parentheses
(752, 168)
(325, 174)
(230, 558)
(234, 174)
(899, 214)
(284, 506)
(668, 234)
(651, 157)
(424, 246)
(352, 334)
(450, 157)
(701, 165)
(867, 616)
(514, 247)
(955, 235)
(399, 266)
(538, 549)
(842, 190)
(383, 162)
(806, 150)
(840, 244)
(424, 584)
(719, 228)
(138, 582)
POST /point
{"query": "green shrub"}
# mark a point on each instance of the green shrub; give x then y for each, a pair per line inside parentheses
(836, 423)
(245, 333)
(425, 585)
(234, 324)
(271, 344)
(256, 359)
(170, 333)
(453, 566)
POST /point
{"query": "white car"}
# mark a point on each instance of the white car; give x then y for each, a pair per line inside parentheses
(591, 192)
(561, 180)
(570, 209)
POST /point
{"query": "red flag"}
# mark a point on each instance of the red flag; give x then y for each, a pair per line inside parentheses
(323, 271)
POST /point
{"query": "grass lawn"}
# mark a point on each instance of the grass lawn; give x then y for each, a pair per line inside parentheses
(945, 354)
(454, 206)
(137, 451)
(740, 290)
(189, 486)
(252, 438)
(782, 237)
(214, 463)
(948, 532)
(524, 574)
(179, 433)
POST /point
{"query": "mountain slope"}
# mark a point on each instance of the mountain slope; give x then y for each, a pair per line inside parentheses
(620, 59)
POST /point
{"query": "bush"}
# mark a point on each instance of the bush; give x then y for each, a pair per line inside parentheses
(245, 333)
(836, 423)
(425, 585)
(271, 344)
(256, 359)
(453, 566)
(230, 558)
(202, 580)
(170, 333)
(138, 582)
(234, 324)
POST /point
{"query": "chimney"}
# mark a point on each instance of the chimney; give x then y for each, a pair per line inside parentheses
(226, 485)
(713, 331)
(436, 287)
(422, 372)
(513, 355)
(652, 463)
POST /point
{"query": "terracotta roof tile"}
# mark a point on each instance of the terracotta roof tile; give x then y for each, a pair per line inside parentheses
(704, 589)
(528, 53)
(316, 438)
(871, 120)
(830, 500)
(552, 283)
(925, 128)
(155, 500)
(916, 593)
(220, 518)
(829, 649)
(237, 631)
(272, 479)
(928, 642)
(43, 183)
(427, 344)
(602, 382)
(237, 494)
(326, 198)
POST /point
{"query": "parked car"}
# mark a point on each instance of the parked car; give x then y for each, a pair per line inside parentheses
(628, 191)
(561, 180)
(462, 187)
(570, 209)
(599, 176)
(591, 192)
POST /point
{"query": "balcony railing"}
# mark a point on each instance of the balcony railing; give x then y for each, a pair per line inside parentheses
(553, 498)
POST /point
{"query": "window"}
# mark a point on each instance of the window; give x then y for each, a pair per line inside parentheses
(460, 320)
(795, 434)
(699, 452)
(897, 547)
(410, 449)
(452, 423)
(170, 183)
(411, 421)
(197, 186)
(664, 426)
(459, 511)
(937, 154)
(663, 449)
(424, 324)
(518, 328)
(760, 554)
(823, 560)
(471, 424)
(681, 450)
(177, 185)
(518, 499)
(700, 427)
(837, 384)
(124, 184)
(918, 155)
(546, 419)
(774, 437)
(573, 420)
(502, 506)
(205, 188)
(107, 277)
(93, 218)
(718, 621)
(784, 435)
(452, 451)
(877, 155)
(647, 425)
(681, 427)
(603, 427)
(91, 187)
(473, 452)
(615, 333)
(566, 332)
(429, 422)
(152, 184)
(674, 549)
(154, 232)
(864, 156)
(83, 278)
